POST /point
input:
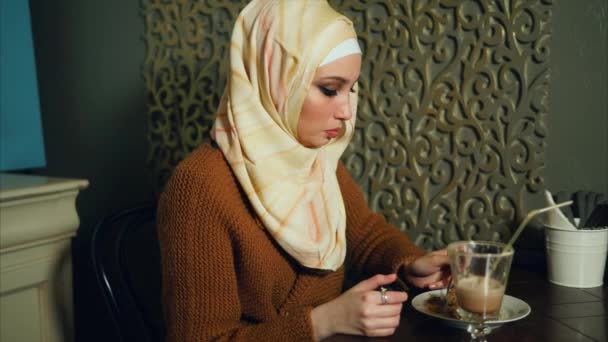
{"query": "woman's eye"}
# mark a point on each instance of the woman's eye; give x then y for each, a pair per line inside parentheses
(327, 91)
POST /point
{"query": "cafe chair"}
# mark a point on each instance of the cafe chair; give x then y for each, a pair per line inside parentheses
(126, 261)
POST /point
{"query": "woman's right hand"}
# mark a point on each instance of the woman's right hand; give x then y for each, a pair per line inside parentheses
(359, 311)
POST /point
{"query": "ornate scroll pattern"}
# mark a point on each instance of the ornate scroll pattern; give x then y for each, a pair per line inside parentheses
(185, 73)
(453, 103)
(451, 126)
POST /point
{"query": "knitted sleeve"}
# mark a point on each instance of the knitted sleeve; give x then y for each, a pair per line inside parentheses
(200, 293)
(374, 245)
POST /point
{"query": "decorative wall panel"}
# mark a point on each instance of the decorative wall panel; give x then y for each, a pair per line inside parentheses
(451, 127)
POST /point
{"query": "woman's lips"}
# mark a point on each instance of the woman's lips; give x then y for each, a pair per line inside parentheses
(332, 133)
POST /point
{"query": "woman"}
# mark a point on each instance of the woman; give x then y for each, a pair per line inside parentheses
(257, 228)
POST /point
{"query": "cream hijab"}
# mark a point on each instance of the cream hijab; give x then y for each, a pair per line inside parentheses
(275, 50)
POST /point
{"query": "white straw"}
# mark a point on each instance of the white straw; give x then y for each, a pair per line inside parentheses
(529, 217)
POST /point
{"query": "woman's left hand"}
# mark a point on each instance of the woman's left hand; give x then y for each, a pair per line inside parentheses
(430, 271)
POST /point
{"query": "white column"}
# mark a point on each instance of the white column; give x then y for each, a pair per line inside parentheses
(38, 219)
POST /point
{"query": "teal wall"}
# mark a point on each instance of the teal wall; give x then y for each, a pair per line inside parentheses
(577, 153)
(21, 144)
(89, 57)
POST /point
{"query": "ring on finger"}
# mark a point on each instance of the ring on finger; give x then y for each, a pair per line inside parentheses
(383, 295)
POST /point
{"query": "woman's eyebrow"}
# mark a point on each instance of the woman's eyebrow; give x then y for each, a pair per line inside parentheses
(336, 78)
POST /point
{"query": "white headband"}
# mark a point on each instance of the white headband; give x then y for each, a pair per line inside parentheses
(347, 47)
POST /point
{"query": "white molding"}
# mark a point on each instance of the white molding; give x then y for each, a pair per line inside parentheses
(38, 219)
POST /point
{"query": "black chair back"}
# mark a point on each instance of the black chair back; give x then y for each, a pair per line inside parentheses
(126, 261)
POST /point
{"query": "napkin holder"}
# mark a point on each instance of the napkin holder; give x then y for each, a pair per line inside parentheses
(575, 257)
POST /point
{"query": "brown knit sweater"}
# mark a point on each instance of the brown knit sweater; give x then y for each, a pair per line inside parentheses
(224, 278)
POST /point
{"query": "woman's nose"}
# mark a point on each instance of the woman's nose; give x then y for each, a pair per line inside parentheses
(344, 110)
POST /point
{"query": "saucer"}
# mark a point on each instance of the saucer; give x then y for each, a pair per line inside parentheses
(512, 309)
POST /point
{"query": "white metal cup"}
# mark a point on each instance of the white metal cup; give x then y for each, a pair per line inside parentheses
(576, 258)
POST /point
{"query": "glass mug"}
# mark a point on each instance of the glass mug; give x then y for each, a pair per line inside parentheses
(480, 270)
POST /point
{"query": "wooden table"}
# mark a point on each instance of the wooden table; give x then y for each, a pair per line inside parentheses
(558, 314)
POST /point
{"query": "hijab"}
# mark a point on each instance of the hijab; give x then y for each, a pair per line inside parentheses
(275, 49)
